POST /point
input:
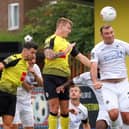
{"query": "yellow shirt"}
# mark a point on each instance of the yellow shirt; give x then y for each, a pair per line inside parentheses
(58, 66)
(13, 74)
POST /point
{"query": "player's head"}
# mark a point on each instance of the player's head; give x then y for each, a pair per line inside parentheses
(32, 61)
(29, 50)
(75, 92)
(107, 34)
(63, 26)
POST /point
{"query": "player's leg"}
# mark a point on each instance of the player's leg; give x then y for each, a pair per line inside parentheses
(16, 120)
(53, 113)
(64, 108)
(101, 124)
(103, 120)
(7, 109)
(27, 119)
(53, 100)
(7, 121)
(64, 117)
(111, 102)
(124, 103)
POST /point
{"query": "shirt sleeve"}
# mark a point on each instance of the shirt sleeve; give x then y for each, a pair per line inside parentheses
(74, 52)
(94, 56)
(49, 43)
(37, 70)
(10, 61)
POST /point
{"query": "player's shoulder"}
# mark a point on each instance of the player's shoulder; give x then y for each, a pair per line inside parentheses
(12, 58)
(16, 56)
(37, 69)
(83, 108)
(35, 66)
(98, 46)
(120, 42)
(49, 38)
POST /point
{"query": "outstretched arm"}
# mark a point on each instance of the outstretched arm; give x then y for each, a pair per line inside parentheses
(61, 88)
(83, 59)
(94, 76)
(27, 86)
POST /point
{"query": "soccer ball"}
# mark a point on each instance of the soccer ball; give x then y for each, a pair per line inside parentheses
(40, 108)
(108, 13)
(28, 38)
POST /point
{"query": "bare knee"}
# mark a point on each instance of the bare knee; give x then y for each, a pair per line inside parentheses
(101, 124)
(53, 105)
(64, 104)
(114, 113)
(125, 117)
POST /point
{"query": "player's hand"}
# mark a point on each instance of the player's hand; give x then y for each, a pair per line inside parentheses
(73, 111)
(60, 89)
(49, 54)
(97, 84)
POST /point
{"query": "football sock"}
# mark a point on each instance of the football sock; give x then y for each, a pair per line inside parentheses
(64, 121)
(52, 121)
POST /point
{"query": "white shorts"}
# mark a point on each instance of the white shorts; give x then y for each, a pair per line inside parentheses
(103, 115)
(24, 115)
(116, 95)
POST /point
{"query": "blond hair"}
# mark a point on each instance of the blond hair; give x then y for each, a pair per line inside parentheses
(63, 21)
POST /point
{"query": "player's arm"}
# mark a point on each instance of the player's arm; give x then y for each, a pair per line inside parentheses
(38, 79)
(83, 59)
(68, 84)
(48, 49)
(37, 75)
(27, 86)
(61, 88)
(94, 69)
(86, 124)
(78, 80)
(93, 72)
(9, 61)
(94, 76)
(49, 54)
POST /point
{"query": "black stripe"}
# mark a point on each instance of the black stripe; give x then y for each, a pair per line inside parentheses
(52, 43)
(12, 63)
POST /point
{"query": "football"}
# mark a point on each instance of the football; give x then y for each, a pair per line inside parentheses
(28, 38)
(108, 13)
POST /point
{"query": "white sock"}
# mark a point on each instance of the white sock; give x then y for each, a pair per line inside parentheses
(125, 126)
(117, 124)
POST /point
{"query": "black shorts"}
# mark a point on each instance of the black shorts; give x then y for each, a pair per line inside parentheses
(51, 82)
(7, 104)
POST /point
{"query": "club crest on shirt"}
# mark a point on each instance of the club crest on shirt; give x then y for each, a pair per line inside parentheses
(107, 102)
